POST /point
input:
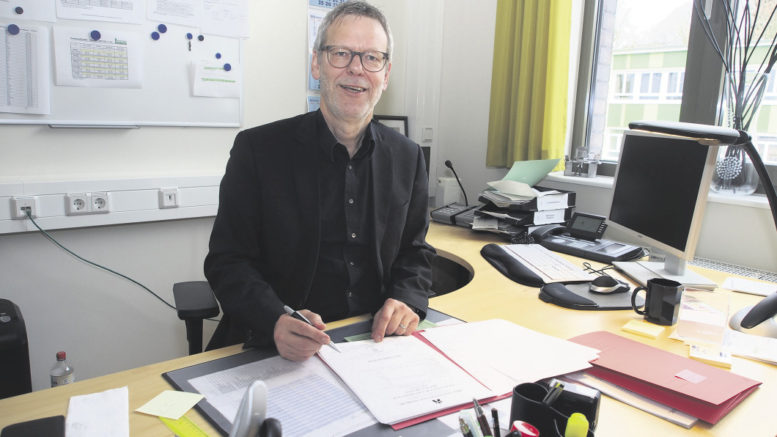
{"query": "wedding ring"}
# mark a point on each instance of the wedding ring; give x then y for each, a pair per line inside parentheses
(403, 326)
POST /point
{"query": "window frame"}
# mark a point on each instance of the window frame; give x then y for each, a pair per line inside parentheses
(698, 104)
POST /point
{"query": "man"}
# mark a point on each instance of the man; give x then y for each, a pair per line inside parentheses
(324, 212)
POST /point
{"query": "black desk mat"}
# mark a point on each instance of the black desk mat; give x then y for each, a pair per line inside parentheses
(180, 380)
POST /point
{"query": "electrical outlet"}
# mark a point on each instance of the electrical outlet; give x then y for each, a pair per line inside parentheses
(20, 206)
(100, 202)
(169, 198)
(78, 203)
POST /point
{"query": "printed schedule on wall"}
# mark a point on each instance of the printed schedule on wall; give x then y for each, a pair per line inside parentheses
(122, 63)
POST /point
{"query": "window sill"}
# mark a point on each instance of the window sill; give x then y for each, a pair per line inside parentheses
(752, 201)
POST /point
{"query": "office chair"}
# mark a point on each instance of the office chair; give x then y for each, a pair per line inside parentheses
(194, 302)
(15, 376)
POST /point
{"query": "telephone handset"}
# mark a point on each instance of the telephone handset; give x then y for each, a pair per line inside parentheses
(544, 231)
(582, 237)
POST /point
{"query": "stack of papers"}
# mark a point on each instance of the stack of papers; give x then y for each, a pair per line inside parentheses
(695, 388)
(406, 380)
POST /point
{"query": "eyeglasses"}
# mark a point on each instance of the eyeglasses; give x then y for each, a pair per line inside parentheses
(341, 57)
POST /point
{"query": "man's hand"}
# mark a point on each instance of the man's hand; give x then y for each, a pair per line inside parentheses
(296, 340)
(394, 318)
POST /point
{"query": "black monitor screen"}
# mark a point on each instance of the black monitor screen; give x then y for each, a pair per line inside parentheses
(657, 187)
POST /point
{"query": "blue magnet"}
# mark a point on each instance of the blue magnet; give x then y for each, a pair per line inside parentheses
(162, 28)
(200, 37)
(13, 29)
(95, 35)
(227, 67)
(19, 10)
(218, 55)
(189, 35)
(155, 35)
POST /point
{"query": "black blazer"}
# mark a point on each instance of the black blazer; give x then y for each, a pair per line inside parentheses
(265, 239)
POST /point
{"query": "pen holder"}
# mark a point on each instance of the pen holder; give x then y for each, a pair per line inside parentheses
(527, 406)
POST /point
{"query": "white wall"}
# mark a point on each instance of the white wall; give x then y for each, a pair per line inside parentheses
(440, 77)
(105, 323)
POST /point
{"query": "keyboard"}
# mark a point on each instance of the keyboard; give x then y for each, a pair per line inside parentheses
(549, 266)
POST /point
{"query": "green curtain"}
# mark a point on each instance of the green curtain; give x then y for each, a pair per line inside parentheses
(529, 83)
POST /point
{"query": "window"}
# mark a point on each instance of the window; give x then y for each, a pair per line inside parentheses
(638, 65)
(634, 68)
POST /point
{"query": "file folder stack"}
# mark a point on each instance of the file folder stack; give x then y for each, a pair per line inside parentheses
(695, 388)
(523, 213)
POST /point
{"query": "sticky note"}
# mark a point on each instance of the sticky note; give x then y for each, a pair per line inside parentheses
(171, 404)
(710, 355)
(643, 328)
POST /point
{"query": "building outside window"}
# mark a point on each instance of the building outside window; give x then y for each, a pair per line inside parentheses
(639, 70)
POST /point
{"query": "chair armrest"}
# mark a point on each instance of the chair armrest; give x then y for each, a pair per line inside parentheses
(194, 300)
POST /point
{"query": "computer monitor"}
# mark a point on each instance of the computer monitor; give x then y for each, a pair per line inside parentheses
(659, 195)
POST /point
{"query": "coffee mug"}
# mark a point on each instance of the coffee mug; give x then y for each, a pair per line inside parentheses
(662, 301)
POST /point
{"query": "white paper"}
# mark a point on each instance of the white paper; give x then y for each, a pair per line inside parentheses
(99, 414)
(315, 17)
(514, 189)
(306, 397)
(124, 11)
(750, 346)
(113, 61)
(212, 80)
(35, 10)
(749, 286)
(226, 18)
(502, 354)
(183, 12)
(635, 400)
(24, 74)
(401, 378)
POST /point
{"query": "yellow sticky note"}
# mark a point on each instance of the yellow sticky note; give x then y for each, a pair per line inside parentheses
(642, 328)
(171, 404)
(710, 354)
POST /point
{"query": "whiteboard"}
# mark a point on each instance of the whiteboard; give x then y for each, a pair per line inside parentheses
(164, 97)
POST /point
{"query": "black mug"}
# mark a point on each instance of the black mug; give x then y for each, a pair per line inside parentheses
(662, 301)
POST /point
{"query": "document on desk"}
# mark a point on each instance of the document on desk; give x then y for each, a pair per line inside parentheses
(502, 354)
(403, 378)
(687, 385)
(306, 397)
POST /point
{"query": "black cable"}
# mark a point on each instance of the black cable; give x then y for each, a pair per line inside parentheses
(50, 238)
(601, 272)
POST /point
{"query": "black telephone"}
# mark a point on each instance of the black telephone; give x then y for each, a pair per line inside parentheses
(582, 237)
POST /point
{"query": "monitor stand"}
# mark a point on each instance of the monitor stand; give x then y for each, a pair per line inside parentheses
(642, 271)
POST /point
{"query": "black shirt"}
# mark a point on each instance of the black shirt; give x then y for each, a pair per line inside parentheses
(346, 279)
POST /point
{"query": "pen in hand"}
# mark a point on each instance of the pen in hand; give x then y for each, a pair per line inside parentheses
(298, 316)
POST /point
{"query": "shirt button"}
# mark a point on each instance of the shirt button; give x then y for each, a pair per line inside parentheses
(353, 235)
(350, 166)
(351, 201)
(349, 294)
(351, 263)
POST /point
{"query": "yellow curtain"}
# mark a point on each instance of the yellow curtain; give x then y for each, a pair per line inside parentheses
(529, 83)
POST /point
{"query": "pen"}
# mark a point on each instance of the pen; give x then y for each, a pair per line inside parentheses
(299, 316)
(481, 418)
(553, 394)
(464, 428)
(495, 416)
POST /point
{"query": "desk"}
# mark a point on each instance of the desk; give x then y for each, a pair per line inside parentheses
(489, 295)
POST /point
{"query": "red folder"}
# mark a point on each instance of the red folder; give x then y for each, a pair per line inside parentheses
(690, 386)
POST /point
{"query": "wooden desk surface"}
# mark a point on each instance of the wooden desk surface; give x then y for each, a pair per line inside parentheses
(489, 295)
